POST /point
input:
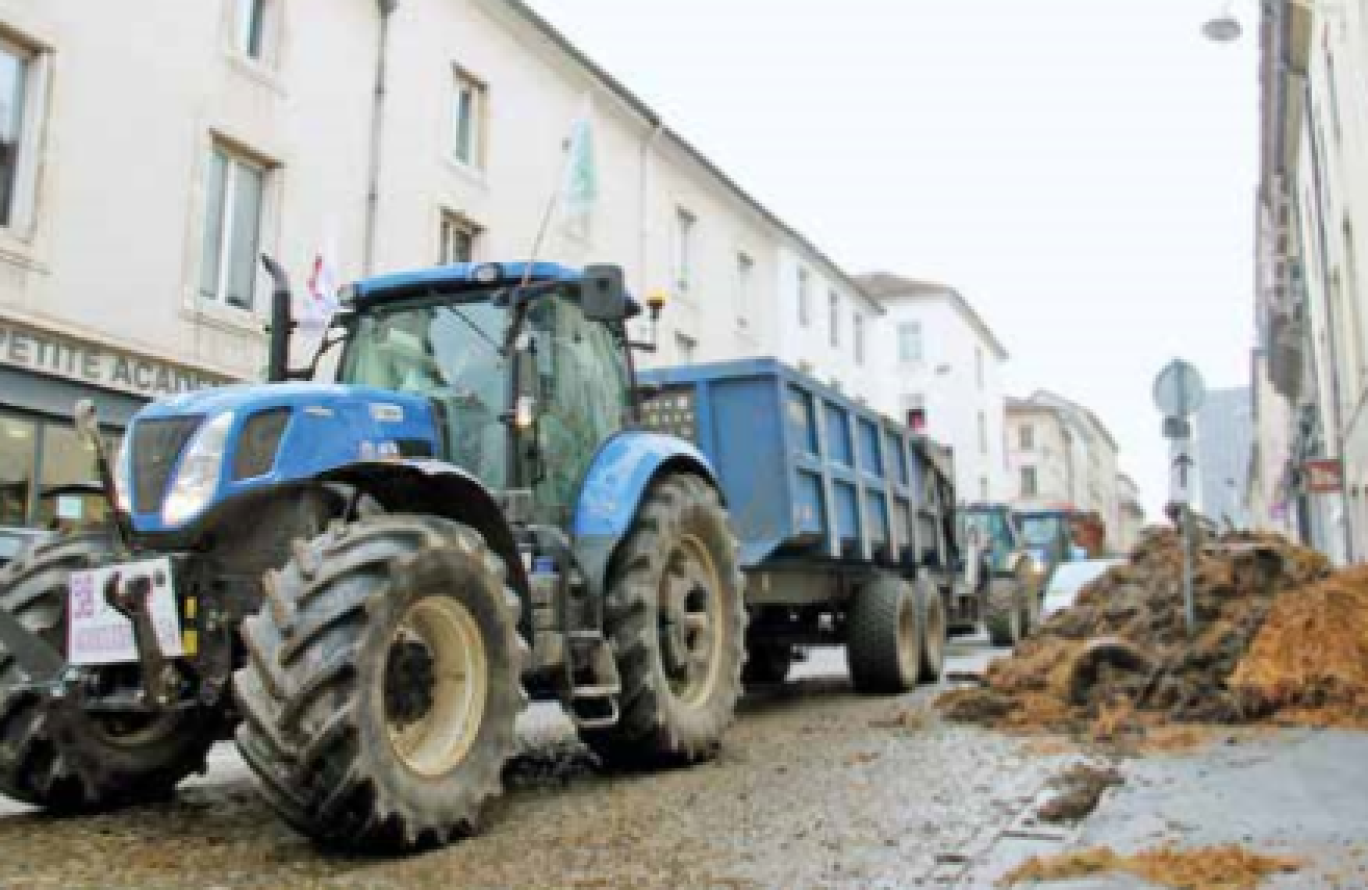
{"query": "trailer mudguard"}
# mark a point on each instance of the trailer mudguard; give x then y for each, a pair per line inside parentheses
(614, 486)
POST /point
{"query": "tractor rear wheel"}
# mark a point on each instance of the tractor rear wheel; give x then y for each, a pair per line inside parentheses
(54, 755)
(675, 614)
(383, 680)
(931, 606)
(884, 636)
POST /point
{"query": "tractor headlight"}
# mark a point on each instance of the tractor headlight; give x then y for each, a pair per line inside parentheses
(197, 477)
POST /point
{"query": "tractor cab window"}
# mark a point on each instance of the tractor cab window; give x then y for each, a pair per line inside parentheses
(446, 352)
(1041, 531)
(583, 395)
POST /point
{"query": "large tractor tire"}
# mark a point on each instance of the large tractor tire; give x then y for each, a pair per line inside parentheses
(382, 684)
(935, 630)
(884, 636)
(1004, 611)
(676, 617)
(53, 755)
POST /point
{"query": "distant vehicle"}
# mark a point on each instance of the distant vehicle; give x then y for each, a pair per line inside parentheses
(1071, 577)
(14, 541)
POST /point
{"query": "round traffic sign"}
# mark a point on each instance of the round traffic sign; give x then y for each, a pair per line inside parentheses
(1178, 390)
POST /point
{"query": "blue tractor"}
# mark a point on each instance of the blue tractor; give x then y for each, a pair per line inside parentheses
(365, 578)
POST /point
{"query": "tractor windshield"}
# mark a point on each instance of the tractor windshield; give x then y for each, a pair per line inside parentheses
(447, 352)
(1041, 531)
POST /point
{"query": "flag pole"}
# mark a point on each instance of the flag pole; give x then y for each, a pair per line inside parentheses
(567, 157)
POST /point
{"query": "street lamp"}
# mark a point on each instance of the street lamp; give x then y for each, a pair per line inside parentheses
(1223, 27)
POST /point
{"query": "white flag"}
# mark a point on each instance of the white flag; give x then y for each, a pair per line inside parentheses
(315, 308)
(579, 192)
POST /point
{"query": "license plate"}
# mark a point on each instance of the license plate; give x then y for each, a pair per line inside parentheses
(98, 634)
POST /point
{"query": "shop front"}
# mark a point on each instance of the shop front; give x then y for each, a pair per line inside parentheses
(47, 474)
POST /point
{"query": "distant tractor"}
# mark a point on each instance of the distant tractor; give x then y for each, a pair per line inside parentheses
(365, 578)
(1001, 588)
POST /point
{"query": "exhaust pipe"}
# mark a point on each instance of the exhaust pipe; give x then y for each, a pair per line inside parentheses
(282, 324)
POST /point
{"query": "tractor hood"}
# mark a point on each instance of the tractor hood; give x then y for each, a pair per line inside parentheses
(185, 453)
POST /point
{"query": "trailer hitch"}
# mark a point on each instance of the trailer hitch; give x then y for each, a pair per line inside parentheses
(132, 598)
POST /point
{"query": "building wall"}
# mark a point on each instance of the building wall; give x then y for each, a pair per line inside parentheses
(1224, 431)
(808, 345)
(1130, 516)
(1310, 265)
(1050, 455)
(948, 384)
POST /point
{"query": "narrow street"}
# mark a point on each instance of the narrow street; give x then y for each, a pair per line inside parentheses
(817, 787)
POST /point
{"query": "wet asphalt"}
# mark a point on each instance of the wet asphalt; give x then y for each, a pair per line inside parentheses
(816, 787)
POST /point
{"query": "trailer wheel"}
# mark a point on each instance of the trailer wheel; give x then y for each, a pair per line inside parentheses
(675, 615)
(383, 679)
(767, 663)
(1004, 611)
(55, 756)
(931, 606)
(884, 636)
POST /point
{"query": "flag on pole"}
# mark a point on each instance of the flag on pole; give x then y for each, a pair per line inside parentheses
(579, 192)
(315, 308)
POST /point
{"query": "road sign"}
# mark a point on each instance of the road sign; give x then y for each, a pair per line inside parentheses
(1182, 471)
(1178, 390)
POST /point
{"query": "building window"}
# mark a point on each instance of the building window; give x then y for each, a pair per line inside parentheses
(468, 103)
(983, 488)
(834, 318)
(745, 279)
(1029, 487)
(234, 194)
(804, 297)
(910, 342)
(859, 339)
(255, 32)
(459, 239)
(686, 347)
(685, 225)
(978, 365)
(1027, 436)
(16, 72)
(983, 433)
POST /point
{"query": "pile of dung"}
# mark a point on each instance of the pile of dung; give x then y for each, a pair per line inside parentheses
(1121, 656)
(1309, 662)
(1226, 867)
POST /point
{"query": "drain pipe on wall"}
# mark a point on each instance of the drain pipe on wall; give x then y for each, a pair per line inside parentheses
(387, 8)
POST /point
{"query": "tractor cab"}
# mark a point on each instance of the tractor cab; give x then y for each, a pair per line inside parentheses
(524, 368)
(990, 529)
(1048, 535)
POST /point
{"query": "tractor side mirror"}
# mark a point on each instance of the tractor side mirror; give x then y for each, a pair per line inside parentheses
(603, 295)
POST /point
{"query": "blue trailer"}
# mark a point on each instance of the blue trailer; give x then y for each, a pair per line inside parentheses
(845, 518)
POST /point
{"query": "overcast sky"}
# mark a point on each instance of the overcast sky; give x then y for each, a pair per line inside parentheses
(1082, 170)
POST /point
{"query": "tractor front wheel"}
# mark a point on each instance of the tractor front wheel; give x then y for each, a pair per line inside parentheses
(383, 680)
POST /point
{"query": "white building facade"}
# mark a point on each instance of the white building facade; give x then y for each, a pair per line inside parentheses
(1044, 457)
(1065, 451)
(947, 378)
(390, 134)
(1310, 371)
